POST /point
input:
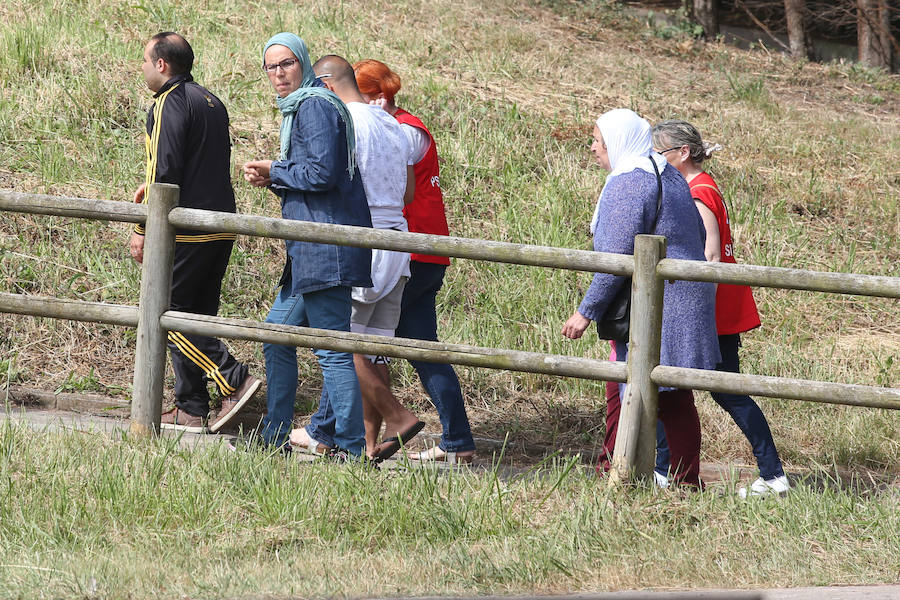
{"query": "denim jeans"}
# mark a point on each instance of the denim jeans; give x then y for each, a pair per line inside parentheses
(745, 413)
(418, 320)
(323, 309)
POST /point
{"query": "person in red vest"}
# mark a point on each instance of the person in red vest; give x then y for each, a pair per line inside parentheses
(418, 317)
(736, 313)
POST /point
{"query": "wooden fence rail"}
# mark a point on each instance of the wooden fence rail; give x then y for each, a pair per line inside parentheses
(521, 254)
(780, 277)
(365, 237)
(473, 356)
(70, 310)
(648, 267)
(560, 365)
(81, 208)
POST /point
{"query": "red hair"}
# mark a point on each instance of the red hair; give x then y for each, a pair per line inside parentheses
(374, 77)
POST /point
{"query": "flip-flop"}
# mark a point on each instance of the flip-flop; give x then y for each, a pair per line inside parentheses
(390, 446)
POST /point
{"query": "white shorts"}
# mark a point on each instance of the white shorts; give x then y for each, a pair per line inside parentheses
(378, 318)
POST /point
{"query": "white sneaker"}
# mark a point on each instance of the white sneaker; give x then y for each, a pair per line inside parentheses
(661, 480)
(765, 487)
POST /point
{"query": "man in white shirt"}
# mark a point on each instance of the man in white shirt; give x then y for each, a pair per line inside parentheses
(385, 164)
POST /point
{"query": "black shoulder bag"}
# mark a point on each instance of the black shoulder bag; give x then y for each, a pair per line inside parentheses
(616, 320)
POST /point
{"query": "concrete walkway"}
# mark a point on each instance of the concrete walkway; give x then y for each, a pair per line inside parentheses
(81, 413)
(42, 418)
(874, 592)
(51, 420)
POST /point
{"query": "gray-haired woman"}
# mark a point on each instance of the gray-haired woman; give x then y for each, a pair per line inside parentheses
(681, 144)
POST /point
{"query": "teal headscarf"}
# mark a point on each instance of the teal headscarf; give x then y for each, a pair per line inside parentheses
(288, 105)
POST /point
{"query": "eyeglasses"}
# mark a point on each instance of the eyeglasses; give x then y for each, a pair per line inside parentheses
(669, 149)
(285, 65)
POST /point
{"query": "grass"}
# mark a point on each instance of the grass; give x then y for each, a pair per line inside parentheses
(93, 516)
(510, 91)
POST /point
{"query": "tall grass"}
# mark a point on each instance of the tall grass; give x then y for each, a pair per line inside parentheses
(88, 516)
(510, 91)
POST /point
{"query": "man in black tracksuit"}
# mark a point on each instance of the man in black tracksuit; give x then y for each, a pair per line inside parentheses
(188, 144)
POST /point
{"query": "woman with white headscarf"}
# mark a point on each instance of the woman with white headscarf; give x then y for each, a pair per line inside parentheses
(627, 207)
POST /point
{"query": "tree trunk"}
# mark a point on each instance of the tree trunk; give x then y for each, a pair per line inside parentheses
(873, 30)
(884, 30)
(706, 12)
(795, 10)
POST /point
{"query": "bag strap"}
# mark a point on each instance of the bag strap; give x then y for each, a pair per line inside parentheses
(658, 192)
(706, 185)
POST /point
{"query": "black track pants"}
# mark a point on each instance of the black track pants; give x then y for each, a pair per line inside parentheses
(196, 285)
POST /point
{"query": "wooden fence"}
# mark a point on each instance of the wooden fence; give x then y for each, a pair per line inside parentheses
(636, 440)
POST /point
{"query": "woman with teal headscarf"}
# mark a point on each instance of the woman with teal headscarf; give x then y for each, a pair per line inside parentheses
(317, 181)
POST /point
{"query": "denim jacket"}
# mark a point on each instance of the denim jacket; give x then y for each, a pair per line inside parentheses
(314, 185)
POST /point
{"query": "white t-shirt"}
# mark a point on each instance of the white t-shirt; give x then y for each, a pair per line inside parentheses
(418, 142)
(382, 156)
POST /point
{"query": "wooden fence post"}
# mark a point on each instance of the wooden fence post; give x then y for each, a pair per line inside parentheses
(156, 285)
(635, 449)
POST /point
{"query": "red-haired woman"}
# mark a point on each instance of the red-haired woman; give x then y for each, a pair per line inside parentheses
(418, 317)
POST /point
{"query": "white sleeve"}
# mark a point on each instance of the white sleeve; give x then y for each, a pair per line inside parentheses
(418, 142)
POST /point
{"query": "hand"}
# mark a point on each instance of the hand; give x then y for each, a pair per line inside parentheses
(139, 194)
(257, 172)
(575, 326)
(378, 102)
(136, 246)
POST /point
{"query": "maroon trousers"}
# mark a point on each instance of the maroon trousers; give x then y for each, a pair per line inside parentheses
(681, 422)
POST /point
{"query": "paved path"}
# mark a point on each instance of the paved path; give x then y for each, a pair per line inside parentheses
(63, 420)
(59, 420)
(725, 477)
(866, 592)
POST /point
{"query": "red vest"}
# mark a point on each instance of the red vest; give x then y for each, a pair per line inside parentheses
(735, 308)
(426, 214)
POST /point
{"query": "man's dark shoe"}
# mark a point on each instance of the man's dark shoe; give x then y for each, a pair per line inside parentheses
(232, 405)
(345, 457)
(179, 420)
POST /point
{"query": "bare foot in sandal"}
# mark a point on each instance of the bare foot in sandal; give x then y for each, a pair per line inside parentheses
(300, 440)
(389, 445)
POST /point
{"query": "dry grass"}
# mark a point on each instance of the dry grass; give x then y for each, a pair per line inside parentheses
(510, 91)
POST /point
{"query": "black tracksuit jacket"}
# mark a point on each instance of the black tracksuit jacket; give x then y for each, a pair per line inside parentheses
(188, 144)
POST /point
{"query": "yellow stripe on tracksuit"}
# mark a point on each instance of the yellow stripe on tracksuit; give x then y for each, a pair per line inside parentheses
(201, 360)
(204, 237)
(151, 148)
(153, 142)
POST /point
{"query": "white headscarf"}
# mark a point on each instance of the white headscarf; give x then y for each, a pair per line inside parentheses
(628, 144)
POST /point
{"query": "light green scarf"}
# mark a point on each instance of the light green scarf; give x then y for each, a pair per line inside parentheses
(289, 104)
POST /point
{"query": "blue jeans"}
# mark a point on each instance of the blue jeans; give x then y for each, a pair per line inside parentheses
(743, 410)
(323, 309)
(418, 321)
